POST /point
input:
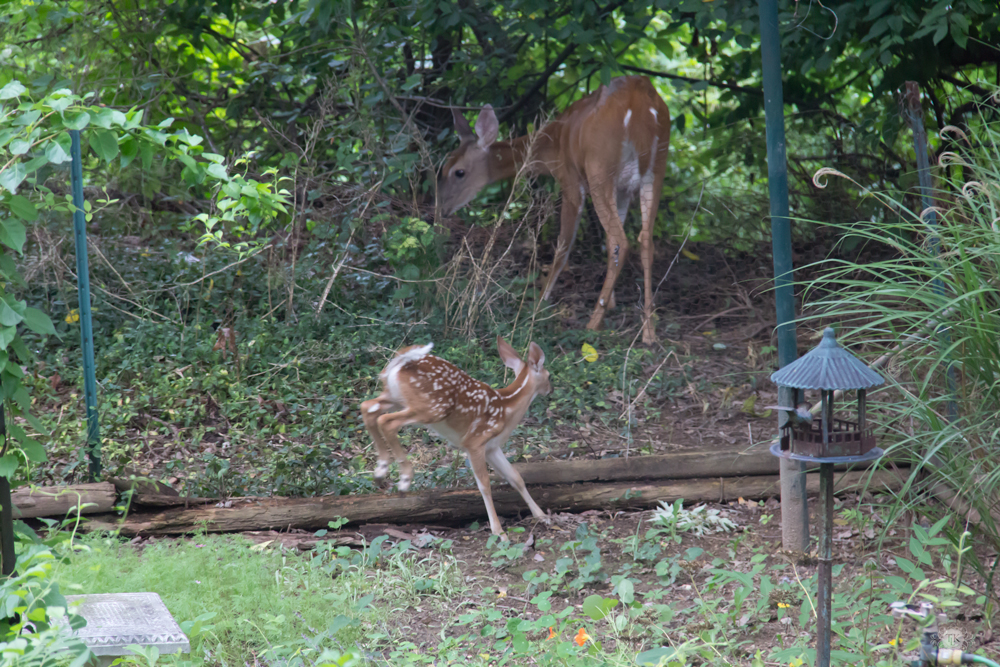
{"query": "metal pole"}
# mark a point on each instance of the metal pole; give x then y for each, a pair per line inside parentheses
(915, 117)
(794, 511)
(7, 557)
(825, 619)
(86, 329)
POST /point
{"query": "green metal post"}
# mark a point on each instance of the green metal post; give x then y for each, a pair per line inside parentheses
(794, 511)
(7, 558)
(86, 328)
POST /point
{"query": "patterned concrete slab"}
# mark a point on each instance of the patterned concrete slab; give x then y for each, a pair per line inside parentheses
(116, 620)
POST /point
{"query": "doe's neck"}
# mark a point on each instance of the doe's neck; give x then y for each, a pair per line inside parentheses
(507, 157)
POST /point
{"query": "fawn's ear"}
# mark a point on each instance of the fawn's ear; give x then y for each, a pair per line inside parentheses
(509, 356)
(536, 358)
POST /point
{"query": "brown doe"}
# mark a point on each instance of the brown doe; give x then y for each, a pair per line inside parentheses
(419, 388)
(612, 143)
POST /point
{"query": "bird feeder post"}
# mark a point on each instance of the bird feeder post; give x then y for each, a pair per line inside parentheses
(826, 368)
(825, 575)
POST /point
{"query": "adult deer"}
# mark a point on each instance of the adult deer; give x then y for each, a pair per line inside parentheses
(612, 143)
(419, 388)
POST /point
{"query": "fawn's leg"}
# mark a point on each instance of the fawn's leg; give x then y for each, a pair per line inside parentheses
(475, 446)
(500, 463)
(389, 425)
(370, 412)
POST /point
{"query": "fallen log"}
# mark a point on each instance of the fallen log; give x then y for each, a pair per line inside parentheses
(164, 500)
(39, 501)
(142, 485)
(462, 505)
(682, 465)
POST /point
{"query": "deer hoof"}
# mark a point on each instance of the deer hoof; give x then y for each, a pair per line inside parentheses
(404, 484)
(381, 469)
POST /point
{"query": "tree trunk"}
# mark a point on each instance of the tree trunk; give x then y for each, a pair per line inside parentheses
(57, 501)
(461, 505)
(683, 465)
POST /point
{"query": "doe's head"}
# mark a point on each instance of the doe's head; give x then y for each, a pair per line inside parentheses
(466, 170)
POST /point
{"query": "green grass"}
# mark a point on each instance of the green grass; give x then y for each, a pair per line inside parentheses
(249, 599)
(633, 587)
(285, 421)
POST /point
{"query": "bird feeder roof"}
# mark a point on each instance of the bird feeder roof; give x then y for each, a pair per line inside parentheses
(827, 366)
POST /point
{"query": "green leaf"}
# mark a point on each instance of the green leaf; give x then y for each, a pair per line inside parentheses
(147, 151)
(598, 607)
(77, 121)
(20, 146)
(38, 322)
(27, 118)
(8, 267)
(936, 528)
(105, 144)
(12, 89)
(35, 163)
(31, 447)
(33, 450)
(13, 234)
(12, 176)
(60, 104)
(626, 592)
(656, 656)
(8, 464)
(35, 423)
(23, 208)
(56, 152)
(130, 149)
(960, 36)
(20, 349)
(217, 171)
(940, 32)
(8, 316)
(905, 565)
(22, 398)
(6, 336)
(103, 118)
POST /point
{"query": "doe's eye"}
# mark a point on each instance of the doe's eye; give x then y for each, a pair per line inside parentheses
(459, 173)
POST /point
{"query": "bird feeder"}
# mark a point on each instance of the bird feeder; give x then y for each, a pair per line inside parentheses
(828, 441)
(828, 368)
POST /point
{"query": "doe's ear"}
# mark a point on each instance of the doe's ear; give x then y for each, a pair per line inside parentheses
(536, 357)
(510, 358)
(462, 126)
(487, 127)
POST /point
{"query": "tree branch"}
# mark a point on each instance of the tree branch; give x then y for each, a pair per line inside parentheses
(690, 79)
